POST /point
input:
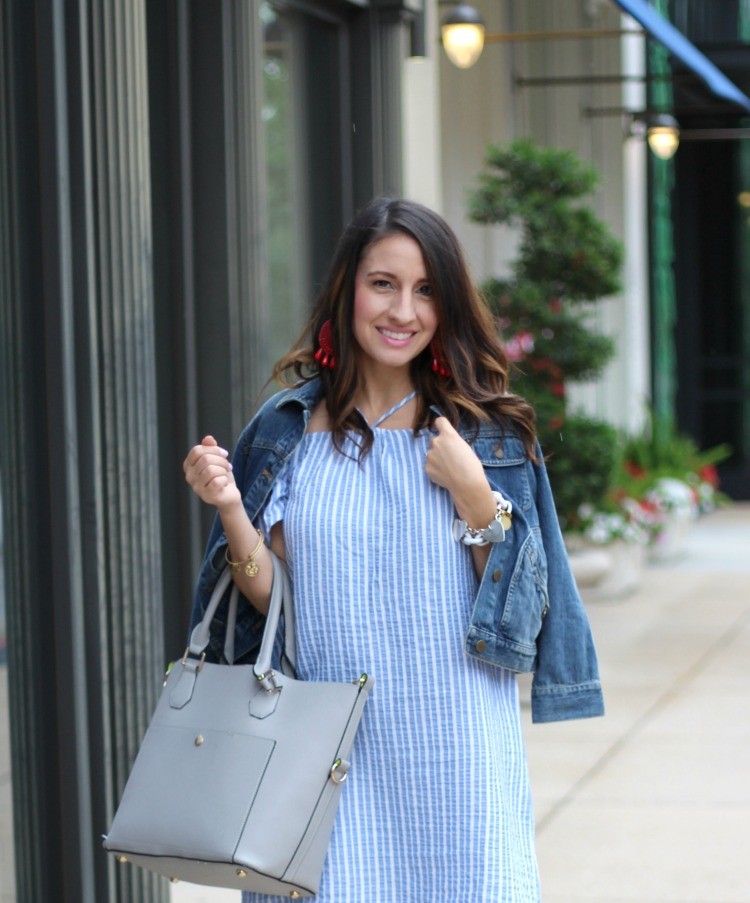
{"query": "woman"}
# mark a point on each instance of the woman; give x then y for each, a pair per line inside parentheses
(404, 488)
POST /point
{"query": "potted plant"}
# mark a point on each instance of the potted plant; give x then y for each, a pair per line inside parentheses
(668, 473)
(622, 524)
(567, 261)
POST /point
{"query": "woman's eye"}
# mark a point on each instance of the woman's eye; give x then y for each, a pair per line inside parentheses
(425, 290)
(381, 283)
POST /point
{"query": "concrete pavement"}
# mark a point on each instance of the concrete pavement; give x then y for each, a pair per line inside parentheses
(650, 804)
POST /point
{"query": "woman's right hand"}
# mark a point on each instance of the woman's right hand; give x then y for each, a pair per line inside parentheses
(209, 473)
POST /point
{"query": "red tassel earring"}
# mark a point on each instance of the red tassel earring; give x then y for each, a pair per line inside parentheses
(324, 354)
(439, 363)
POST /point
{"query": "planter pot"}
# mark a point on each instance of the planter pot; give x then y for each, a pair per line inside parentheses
(671, 542)
(624, 576)
(589, 563)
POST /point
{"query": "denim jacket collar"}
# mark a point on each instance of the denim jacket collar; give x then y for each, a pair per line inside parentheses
(307, 394)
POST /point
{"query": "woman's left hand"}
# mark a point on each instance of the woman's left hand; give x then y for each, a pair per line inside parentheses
(452, 464)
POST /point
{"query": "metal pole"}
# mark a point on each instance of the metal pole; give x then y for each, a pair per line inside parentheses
(575, 35)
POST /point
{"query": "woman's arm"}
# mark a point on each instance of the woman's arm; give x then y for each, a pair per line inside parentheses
(452, 464)
(209, 474)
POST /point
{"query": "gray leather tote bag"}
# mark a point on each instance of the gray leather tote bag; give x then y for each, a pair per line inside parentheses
(238, 778)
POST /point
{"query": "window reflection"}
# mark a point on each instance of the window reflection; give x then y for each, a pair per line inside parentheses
(284, 103)
(307, 155)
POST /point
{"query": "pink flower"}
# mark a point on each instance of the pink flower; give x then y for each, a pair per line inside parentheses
(517, 347)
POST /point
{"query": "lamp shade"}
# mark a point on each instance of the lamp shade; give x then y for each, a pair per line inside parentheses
(663, 136)
(463, 35)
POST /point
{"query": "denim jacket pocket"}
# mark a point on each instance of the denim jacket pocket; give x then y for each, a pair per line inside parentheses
(526, 601)
(512, 601)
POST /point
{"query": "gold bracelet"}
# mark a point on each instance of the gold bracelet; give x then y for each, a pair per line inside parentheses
(248, 565)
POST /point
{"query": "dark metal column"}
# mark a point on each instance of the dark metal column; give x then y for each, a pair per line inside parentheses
(663, 298)
(78, 415)
(390, 46)
(22, 465)
(247, 251)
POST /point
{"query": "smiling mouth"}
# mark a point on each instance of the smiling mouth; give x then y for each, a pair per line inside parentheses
(395, 336)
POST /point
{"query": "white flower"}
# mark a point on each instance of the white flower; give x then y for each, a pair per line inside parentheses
(670, 494)
(602, 527)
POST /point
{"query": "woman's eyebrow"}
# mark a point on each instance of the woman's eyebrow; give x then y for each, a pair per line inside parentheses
(393, 275)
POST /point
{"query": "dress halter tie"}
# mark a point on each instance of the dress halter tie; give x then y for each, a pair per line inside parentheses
(390, 411)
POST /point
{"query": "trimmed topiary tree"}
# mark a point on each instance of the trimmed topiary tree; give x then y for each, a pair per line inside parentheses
(567, 261)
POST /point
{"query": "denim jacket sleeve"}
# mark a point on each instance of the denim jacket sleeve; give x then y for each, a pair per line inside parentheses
(566, 680)
(261, 453)
(250, 621)
(527, 614)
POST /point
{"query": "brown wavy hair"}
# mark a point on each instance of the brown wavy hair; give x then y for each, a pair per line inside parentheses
(477, 391)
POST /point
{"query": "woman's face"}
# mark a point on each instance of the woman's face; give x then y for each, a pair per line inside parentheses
(395, 315)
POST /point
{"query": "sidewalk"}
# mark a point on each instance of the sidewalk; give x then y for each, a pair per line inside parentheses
(651, 804)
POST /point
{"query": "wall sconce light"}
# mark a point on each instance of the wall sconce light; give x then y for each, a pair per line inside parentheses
(463, 35)
(661, 131)
(663, 135)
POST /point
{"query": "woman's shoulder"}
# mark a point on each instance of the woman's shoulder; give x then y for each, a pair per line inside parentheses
(282, 408)
(493, 443)
(303, 395)
(495, 437)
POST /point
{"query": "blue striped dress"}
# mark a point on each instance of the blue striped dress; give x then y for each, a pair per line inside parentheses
(437, 806)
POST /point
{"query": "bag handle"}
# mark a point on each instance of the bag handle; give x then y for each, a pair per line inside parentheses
(281, 597)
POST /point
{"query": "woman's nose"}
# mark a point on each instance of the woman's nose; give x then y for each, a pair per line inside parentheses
(402, 309)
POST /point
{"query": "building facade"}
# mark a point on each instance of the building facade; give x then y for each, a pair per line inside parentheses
(173, 174)
(681, 324)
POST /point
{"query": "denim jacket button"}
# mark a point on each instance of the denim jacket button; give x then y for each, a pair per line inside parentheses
(497, 574)
(481, 646)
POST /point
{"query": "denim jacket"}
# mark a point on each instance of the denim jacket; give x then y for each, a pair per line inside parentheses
(527, 614)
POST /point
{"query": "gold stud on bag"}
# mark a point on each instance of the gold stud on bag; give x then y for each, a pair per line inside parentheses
(233, 735)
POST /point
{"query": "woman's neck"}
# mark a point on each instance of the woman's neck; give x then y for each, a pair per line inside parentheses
(378, 396)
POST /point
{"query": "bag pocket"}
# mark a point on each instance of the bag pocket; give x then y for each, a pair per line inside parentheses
(169, 784)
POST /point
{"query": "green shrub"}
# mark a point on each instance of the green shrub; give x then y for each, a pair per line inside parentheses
(567, 260)
(584, 455)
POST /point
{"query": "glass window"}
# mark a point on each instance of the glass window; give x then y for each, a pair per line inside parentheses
(306, 182)
(708, 23)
